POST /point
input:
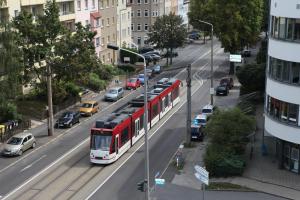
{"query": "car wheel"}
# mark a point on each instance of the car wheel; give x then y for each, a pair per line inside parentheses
(33, 145)
(70, 125)
(20, 152)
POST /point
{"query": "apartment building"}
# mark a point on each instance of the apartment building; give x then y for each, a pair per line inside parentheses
(108, 11)
(9, 9)
(123, 24)
(183, 9)
(282, 101)
(86, 12)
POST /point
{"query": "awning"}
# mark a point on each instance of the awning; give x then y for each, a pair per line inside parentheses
(95, 15)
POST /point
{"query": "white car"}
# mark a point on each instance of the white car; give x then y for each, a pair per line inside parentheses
(208, 110)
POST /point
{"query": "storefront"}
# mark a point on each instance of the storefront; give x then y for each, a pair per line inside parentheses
(288, 155)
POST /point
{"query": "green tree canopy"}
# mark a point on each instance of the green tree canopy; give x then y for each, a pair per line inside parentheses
(168, 32)
(229, 129)
(237, 23)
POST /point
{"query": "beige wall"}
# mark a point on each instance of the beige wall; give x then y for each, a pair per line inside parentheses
(108, 11)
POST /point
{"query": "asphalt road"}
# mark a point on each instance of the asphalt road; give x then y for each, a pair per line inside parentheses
(165, 142)
(18, 170)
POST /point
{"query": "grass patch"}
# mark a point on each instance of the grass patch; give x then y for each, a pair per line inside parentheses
(31, 108)
(226, 186)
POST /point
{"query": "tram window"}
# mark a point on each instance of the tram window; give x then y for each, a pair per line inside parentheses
(142, 122)
(113, 148)
(166, 103)
(175, 93)
(124, 136)
(155, 110)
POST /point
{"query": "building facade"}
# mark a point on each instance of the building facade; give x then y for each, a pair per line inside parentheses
(282, 101)
(86, 12)
(123, 24)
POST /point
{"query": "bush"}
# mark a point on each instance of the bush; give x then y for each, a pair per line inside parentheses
(95, 83)
(222, 163)
(72, 89)
(8, 111)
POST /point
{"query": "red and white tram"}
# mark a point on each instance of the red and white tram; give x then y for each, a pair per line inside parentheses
(113, 135)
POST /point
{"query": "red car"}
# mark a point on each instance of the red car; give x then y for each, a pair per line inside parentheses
(133, 83)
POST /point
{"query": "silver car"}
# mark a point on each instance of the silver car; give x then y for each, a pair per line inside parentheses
(114, 94)
(18, 144)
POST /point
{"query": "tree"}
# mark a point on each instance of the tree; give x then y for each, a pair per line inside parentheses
(198, 11)
(168, 32)
(229, 129)
(237, 23)
(252, 78)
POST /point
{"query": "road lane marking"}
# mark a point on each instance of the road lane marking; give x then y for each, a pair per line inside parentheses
(28, 166)
(198, 86)
(86, 140)
(63, 133)
(45, 169)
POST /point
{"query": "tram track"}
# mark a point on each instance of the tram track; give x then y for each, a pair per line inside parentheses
(65, 180)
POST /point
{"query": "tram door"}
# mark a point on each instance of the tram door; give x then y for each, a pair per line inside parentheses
(117, 144)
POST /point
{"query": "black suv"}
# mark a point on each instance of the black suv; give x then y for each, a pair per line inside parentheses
(67, 119)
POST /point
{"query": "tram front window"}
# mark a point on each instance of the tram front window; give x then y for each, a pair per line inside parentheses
(101, 142)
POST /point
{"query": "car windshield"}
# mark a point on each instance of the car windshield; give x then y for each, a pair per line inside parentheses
(206, 111)
(141, 75)
(87, 105)
(112, 91)
(14, 141)
(200, 121)
(67, 115)
(222, 87)
(101, 142)
(133, 80)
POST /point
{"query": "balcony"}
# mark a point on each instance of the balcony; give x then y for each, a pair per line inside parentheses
(32, 2)
(66, 16)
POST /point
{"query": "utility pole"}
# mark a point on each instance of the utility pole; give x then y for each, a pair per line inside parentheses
(50, 104)
(211, 67)
(189, 102)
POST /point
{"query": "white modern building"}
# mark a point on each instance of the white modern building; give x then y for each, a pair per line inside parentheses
(282, 116)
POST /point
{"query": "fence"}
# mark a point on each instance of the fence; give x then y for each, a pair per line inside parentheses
(13, 127)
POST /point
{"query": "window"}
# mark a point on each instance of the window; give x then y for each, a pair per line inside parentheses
(86, 22)
(142, 122)
(285, 71)
(283, 111)
(132, 15)
(124, 136)
(128, 17)
(79, 5)
(139, 27)
(107, 19)
(282, 28)
(16, 13)
(103, 41)
(132, 27)
(93, 4)
(97, 22)
(97, 42)
(146, 27)
(107, 3)
(139, 40)
(290, 29)
(113, 20)
(154, 110)
(146, 13)
(101, 4)
(297, 30)
(138, 13)
(139, 1)
(295, 73)
(146, 1)
(86, 4)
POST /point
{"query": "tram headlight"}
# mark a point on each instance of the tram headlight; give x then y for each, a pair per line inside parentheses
(92, 155)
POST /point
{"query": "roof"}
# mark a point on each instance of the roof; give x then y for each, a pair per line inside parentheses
(23, 134)
(208, 106)
(201, 116)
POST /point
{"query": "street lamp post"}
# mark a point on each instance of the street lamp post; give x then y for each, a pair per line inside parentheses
(211, 91)
(114, 47)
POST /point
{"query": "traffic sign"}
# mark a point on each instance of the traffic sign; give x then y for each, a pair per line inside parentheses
(159, 181)
(201, 174)
(202, 178)
(235, 58)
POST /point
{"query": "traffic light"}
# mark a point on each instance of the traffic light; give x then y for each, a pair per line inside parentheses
(141, 186)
